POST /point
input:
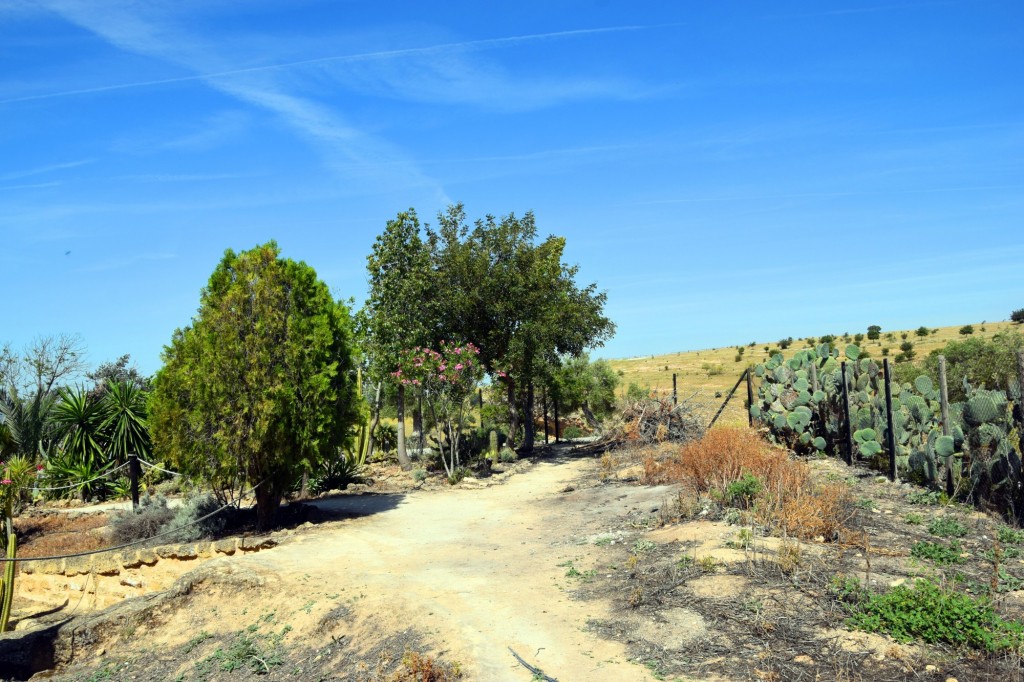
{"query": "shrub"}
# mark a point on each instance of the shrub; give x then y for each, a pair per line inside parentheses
(1017, 316)
(150, 518)
(943, 555)
(187, 518)
(507, 455)
(874, 332)
(921, 331)
(731, 463)
(419, 475)
(966, 330)
(786, 342)
(935, 615)
(945, 527)
(713, 369)
(571, 432)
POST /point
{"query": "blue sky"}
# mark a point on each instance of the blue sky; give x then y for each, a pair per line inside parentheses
(725, 171)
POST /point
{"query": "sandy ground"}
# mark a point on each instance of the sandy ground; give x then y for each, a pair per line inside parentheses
(476, 569)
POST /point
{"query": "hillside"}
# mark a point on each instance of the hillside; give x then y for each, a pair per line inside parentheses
(715, 370)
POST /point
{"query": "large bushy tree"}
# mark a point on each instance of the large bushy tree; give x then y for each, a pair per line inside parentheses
(512, 296)
(397, 315)
(261, 386)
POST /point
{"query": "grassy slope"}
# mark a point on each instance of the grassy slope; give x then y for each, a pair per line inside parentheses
(655, 371)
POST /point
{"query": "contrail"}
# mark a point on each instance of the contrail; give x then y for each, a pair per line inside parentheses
(366, 56)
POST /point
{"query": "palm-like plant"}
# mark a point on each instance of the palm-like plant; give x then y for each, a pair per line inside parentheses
(125, 426)
(27, 424)
(80, 418)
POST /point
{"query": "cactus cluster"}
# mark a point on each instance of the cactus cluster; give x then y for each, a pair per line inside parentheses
(800, 401)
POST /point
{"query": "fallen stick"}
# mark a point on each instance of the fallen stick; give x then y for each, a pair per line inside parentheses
(537, 673)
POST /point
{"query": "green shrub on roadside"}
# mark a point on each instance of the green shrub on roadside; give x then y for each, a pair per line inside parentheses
(507, 455)
(938, 553)
(927, 612)
(945, 527)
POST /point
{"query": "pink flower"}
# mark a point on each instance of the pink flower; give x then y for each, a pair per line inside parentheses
(458, 366)
(442, 368)
(6, 481)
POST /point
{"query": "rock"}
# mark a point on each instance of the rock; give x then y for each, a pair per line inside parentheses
(131, 582)
(225, 546)
(803, 659)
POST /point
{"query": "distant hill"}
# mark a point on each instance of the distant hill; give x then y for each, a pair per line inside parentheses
(715, 370)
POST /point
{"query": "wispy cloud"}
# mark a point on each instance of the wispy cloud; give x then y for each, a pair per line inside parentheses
(42, 170)
(122, 263)
(69, 10)
(141, 29)
(36, 185)
(187, 177)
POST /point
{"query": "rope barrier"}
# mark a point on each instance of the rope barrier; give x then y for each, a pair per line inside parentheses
(154, 466)
(21, 560)
(105, 474)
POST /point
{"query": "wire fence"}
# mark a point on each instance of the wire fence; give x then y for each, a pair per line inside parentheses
(819, 401)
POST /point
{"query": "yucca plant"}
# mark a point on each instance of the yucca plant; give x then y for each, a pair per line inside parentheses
(124, 426)
(81, 419)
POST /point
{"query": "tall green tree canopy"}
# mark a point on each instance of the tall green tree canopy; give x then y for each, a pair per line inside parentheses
(513, 297)
(261, 385)
(397, 314)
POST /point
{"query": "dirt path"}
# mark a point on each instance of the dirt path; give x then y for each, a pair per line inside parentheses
(477, 570)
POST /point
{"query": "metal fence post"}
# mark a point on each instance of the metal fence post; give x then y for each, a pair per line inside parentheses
(847, 421)
(891, 436)
(750, 398)
(946, 429)
(675, 398)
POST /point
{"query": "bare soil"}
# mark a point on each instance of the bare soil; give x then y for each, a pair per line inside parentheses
(570, 563)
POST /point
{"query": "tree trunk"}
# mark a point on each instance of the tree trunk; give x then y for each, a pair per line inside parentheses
(588, 414)
(374, 421)
(529, 426)
(268, 501)
(513, 416)
(403, 456)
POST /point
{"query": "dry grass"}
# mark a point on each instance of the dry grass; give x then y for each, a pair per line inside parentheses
(655, 371)
(788, 500)
(59, 533)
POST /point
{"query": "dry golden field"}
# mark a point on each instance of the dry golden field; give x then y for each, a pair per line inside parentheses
(716, 370)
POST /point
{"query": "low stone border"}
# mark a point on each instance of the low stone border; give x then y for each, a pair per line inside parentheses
(112, 563)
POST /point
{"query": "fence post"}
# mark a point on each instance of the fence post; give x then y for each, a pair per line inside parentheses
(133, 479)
(847, 421)
(750, 398)
(675, 398)
(891, 436)
(946, 430)
(814, 378)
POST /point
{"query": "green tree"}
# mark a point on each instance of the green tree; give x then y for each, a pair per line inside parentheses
(513, 298)
(979, 361)
(921, 331)
(261, 386)
(396, 315)
(874, 332)
(1017, 316)
(587, 386)
(966, 330)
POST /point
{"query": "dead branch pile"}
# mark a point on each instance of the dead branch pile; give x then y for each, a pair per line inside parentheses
(655, 420)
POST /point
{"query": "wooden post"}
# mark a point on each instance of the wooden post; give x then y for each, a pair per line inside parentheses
(891, 436)
(544, 397)
(133, 478)
(675, 398)
(847, 420)
(946, 429)
(750, 398)
(814, 378)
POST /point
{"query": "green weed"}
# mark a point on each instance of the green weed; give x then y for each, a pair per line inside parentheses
(946, 527)
(940, 554)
